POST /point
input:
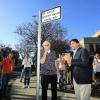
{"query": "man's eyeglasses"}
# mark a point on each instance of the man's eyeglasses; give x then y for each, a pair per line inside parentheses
(46, 45)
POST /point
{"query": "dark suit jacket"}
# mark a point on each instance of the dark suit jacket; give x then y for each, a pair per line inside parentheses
(82, 72)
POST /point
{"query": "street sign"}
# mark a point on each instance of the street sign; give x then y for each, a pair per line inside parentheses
(51, 14)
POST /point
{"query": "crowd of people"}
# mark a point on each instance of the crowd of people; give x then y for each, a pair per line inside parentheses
(6, 69)
(74, 67)
(71, 67)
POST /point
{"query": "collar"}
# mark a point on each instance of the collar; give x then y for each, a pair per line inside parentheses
(49, 51)
(75, 49)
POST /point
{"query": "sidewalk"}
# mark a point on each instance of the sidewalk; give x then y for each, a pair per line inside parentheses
(20, 93)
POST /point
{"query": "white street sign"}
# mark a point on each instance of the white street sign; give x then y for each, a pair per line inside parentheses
(51, 14)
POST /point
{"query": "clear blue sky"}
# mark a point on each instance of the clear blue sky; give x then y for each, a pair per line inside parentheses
(80, 17)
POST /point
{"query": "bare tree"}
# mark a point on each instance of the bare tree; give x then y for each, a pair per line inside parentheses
(54, 32)
(23, 47)
(50, 31)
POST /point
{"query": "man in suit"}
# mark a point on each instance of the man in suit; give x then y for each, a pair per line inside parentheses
(82, 72)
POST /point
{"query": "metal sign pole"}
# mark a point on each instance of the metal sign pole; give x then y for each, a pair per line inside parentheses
(38, 58)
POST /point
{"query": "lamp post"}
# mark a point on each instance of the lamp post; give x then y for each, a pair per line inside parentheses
(38, 58)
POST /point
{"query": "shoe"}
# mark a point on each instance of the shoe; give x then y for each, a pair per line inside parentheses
(72, 87)
(24, 86)
(20, 80)
(28, 86)
(4, 96)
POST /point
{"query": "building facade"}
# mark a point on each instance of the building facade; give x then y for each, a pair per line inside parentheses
(92, 44)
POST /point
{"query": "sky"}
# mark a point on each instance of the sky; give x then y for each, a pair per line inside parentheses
(81, 18)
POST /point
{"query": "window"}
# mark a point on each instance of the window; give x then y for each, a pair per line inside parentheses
(97, 47)
(91, 47)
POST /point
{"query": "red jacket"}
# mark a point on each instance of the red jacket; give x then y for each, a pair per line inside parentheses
(7, 66)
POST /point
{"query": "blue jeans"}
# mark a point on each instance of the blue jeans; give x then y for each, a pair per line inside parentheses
(0, 81)
(5, 79)
(62, 80)
(27, 72)
(22, 74)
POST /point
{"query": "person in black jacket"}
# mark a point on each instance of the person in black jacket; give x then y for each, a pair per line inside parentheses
(82, 72)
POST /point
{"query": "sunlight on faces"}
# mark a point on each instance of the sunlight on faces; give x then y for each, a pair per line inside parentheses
(26, 55)
(10, 55)
(97, 55)
(74, 45)
(46, 45)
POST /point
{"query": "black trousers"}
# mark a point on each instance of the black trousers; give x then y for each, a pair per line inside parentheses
(45, 80)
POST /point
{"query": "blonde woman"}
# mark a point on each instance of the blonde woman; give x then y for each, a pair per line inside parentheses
(62, 71)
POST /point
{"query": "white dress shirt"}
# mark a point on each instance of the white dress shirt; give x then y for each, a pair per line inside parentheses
(74, 52)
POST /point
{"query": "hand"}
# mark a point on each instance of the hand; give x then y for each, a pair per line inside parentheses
(45, 52)
(43, 58)
(11, 68)
(68, 58)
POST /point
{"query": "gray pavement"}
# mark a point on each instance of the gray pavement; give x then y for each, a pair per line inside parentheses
(20, 93)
